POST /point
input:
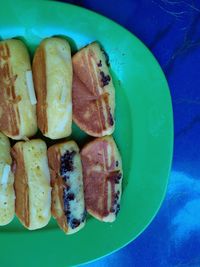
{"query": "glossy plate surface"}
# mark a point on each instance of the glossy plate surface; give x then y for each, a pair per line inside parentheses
(144, 134)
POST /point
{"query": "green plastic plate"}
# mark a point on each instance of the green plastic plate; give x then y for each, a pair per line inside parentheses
(144, 134)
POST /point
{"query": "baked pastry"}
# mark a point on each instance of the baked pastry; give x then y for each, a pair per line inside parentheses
(68, 206)
(52, 74)
(32, 183)
(93, 93)
(17, 96)
(102, 178)
(7, 194)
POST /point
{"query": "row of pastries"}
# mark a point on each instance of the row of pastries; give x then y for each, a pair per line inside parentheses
(36, 182)
(55, 88)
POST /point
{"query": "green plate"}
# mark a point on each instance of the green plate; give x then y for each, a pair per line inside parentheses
(144, 134)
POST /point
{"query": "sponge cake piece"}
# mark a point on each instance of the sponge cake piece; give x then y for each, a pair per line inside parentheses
(17, 96)
(32, 183)
(102, 178)
(52, 73)
(68, 206)
(93, 93)
(7, 194)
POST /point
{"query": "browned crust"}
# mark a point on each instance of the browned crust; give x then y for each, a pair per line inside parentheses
(20, 185)
(9, 112)
(86, 97)
(96, 182)
(58, 185)
(39, 78)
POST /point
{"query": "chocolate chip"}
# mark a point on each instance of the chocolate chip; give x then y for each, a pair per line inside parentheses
(111, 120)
(70, 196)
(117, 163)
(116, 196)
(105, 79)
(99, 64)
(74, 223)
(67, 187)
(65, 199)
(67, 214)
(112, 210)
(106, 57)
(67, 162)
(65, 177)
(117, 209)
(117, 178)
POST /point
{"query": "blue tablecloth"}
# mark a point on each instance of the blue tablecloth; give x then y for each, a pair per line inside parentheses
(171, 30)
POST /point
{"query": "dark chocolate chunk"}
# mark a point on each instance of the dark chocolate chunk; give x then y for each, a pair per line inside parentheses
(67, 214)
(106, 56)
(65, 199)
(117, 178)
(111, 120)
(105, 79)
(65, 177)
(99, 64)
(116, 196)
(70, 196)
(74, 223)
(67, 162)
(67, 187)
(112, 210)
(117, 209)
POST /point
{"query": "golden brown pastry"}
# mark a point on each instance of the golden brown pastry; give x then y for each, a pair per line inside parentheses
(17, 96)
(7, 194)
(102, 178)
(93, 93)
(52, 74)
(32, 183)
(68, 206)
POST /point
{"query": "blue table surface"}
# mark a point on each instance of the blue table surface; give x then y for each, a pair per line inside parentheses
(171, 30)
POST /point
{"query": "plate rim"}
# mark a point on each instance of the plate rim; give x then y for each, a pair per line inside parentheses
(171, 139)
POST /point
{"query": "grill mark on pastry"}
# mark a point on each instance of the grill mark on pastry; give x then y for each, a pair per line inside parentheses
(10, 118)
(101, 95)
(112, 195)
(105, 212)
(7, 50)
(110, 119)
(4, 51)
(21, 186)
(40, 81)
(62, 220)
(100, 98)
(77, 80)
(105, 147)
(91, 71)
(54, 156)
(96, 85)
